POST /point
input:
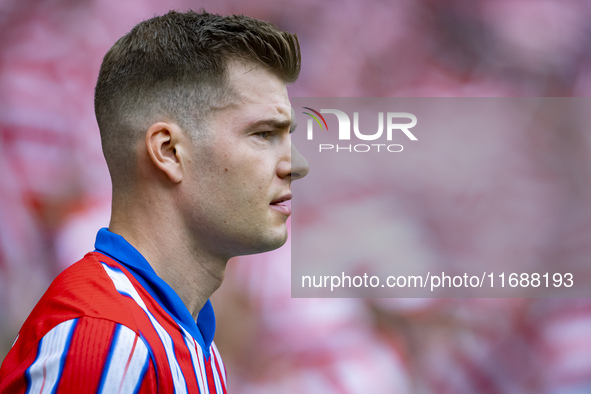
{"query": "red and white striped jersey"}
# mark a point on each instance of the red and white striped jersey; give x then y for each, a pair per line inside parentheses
(108, 324)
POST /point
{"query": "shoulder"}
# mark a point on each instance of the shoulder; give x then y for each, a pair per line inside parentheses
(84, 290)
(82, 333)
(79, 354)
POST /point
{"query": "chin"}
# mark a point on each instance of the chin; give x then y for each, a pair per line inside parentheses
(268, 244)
(281, 242)
(276, 242)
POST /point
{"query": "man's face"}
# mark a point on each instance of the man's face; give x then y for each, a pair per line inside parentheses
(239, 177)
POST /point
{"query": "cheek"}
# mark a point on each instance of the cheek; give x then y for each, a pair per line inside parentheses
(244, 175)
(232, 184)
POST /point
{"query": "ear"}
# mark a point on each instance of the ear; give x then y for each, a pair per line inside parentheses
(163, 140)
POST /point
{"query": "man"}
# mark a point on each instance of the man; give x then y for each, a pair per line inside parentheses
(195, 121)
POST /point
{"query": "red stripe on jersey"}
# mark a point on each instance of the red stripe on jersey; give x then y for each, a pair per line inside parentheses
(210, 378)
(150, 384)
(217, 367)
(201, 361)
(220, 362)
(183, 356)
(87, 354)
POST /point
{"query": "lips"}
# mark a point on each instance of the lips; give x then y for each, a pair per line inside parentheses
(282, 204)
(279, 200)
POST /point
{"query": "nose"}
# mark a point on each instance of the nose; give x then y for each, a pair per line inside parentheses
(299, 164)
(293, 165)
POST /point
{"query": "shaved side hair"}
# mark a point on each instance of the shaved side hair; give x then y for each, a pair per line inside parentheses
(175, 67)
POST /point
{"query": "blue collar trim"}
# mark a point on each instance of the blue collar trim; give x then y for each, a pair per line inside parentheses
(117, 248)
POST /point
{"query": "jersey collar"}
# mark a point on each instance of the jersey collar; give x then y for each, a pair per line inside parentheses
(116, 247)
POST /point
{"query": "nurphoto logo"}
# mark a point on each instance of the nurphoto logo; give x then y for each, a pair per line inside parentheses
(396, 123)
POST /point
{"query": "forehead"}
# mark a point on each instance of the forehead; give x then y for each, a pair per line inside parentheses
(256, 93)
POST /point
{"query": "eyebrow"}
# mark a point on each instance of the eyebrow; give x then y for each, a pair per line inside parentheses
(274, 123)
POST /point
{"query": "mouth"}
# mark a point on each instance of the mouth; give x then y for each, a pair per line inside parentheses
(282, 204)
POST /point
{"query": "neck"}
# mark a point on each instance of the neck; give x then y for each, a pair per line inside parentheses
(178, 260)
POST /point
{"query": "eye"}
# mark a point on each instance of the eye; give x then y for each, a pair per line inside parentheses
(265, 134)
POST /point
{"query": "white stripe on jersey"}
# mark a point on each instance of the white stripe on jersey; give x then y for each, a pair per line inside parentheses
(215, 351)
(44, 373)
(125, 287)
(127, 363)
(198, 365)
(216, 375)
(201, 359)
